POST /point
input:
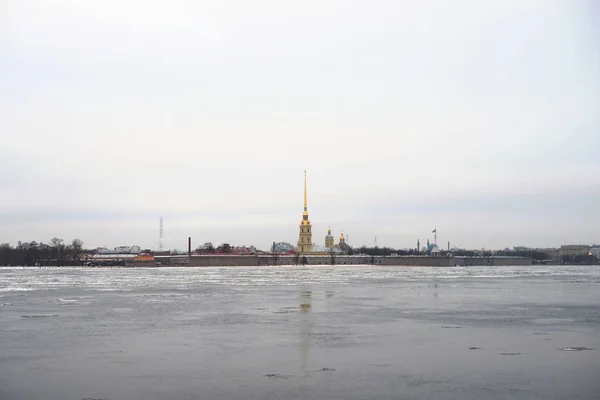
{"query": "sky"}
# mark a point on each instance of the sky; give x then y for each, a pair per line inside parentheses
(478, 118)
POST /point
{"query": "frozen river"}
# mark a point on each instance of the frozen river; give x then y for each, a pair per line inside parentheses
(300, 333)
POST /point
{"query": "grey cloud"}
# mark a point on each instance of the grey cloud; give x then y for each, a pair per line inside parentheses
(209, 111)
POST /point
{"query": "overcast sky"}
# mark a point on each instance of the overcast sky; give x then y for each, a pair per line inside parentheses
(478, 117)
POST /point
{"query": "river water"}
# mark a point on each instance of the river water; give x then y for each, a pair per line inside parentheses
(300, 333)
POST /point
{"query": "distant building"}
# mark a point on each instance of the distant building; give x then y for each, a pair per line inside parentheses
(574, 250)
(521, 248)
(595, 251)
(127, 250)
(329, 239)
(120, 250)
(244, 250)
(342, 245)
(283, 247)
(550, 252)
(316, 249)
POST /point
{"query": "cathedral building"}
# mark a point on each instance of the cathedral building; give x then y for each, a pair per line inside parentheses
(329, 239)
(342, 245)
(305, 239)
(305, 244)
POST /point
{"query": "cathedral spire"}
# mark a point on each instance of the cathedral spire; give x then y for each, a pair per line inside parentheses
(305, 202)
(305, 238)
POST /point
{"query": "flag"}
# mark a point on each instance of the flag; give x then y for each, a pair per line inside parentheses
(434, 230)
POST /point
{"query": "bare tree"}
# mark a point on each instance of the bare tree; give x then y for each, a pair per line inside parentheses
(206, 248)
(76, 249)
(225, 248)
(274, 254)
(331, 251)
(59, 249)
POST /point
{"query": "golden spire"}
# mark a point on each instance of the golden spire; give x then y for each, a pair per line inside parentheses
(305, 202)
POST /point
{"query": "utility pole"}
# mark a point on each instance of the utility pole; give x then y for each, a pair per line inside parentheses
(274, 254)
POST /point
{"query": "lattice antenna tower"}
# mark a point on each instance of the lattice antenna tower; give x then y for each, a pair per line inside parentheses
(160, 235)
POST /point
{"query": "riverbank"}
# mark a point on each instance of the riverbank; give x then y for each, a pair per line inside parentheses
(356, 260)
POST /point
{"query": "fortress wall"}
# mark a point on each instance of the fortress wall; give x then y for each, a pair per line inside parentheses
(314, 260)
(368, 260)
(421, 261)
(424, 261)
(223, 261)
(350, 260)
(140, 263)
(492, 261)
(265, 260)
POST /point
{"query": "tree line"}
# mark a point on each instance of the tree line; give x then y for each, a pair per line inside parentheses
(535, 255)
(381, 251)
(55, 253)
(209, 248)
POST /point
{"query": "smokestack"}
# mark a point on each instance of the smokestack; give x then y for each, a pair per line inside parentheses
(189, 246)
(448, 245)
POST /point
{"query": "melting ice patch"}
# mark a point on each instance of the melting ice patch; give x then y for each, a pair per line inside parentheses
(126, 279)
(574, 348)
(67, 301)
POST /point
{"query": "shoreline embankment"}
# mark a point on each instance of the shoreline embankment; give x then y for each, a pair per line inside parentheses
(360, 260)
